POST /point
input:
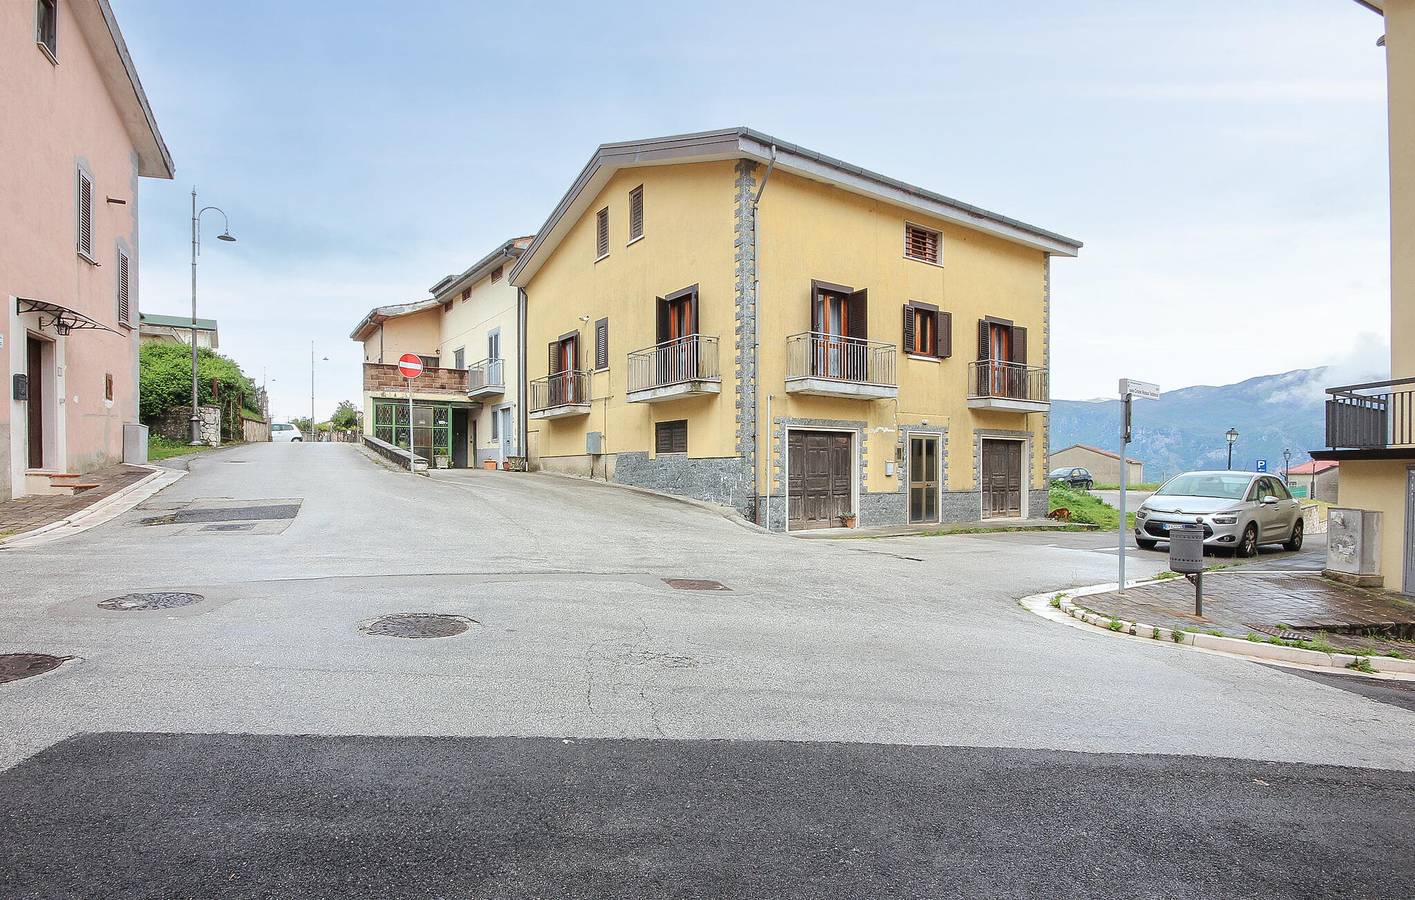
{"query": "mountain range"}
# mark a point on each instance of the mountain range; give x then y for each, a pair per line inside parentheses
(1184, 429)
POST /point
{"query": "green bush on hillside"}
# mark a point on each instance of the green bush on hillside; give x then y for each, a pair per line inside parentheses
(165, 380)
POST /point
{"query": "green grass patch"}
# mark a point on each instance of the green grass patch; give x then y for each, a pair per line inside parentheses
(1361, 664)
(1086, 509)
(159, 447)
(1114, 625)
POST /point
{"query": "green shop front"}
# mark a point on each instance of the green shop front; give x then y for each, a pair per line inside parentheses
(438, 432)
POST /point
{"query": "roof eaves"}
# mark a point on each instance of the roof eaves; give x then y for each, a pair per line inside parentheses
(161, 166)
(508, 250)
(380, 314)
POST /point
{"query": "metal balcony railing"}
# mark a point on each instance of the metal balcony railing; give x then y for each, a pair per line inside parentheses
(1007, 381)
(486, 373)
(560, 389)
(813, 354)
(689, 358)
(1372, 416)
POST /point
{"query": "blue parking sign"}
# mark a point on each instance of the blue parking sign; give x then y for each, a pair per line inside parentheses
(1262, 465)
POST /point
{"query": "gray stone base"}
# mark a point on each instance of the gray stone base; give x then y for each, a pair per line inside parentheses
(723, 480)
(962, 506)
(1037, 502)
(883, 508)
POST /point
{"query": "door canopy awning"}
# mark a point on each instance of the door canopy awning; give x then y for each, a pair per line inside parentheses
(63, 319)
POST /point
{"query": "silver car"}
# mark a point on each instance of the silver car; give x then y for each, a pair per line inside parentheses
(1238, 511)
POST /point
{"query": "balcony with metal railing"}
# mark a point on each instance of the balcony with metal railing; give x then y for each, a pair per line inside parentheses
(1016, 387)
(682, 367)
(486, 378)
(830, 365)
(1375, 420)
(560, 395)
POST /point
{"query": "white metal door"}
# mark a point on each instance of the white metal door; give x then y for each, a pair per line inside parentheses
(507, 445)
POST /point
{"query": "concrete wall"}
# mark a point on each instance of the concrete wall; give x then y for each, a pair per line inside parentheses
(1381, 485)
(58, 118)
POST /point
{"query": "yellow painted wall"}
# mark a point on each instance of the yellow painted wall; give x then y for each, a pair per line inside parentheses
(418, 333)
(1380, 485)
(688, 234)
(1400, 70)
(811, 230)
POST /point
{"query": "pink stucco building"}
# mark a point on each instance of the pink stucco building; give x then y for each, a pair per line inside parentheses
(78, 134)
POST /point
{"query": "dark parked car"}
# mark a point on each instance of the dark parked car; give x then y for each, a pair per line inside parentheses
(1075, 476)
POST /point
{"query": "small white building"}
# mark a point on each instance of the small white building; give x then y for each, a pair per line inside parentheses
(154, 328)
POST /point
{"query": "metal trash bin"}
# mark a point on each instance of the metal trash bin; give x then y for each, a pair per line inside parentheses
(1186, 549)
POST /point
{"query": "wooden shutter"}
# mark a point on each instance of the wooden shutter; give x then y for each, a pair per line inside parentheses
(982, 339)
(554, 358)
(908, 328)
(575, 356)
(602, 233)
(601, 344)
(944, 335)
(636, 213)
(125, 313)
(85, 224)
(1019, 344)
(693, 312)
(815, 307)
(661, 314)
(858, 309)
(671, 437)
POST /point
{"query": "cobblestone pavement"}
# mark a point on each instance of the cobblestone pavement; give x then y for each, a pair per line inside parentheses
(1239, 602)
(29, 512)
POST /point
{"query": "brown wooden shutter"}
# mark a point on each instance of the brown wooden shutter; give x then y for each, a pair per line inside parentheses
(671, 437)
(944, 335)
(908, 328)
(575, 357)
(693, 311)
(602, 233)
(661, 313)
(554, 358)
(125, 313)
(859, 309)
(815, 307)
(601, 344)
(982, 339)
(636, 213)
(1019, 344)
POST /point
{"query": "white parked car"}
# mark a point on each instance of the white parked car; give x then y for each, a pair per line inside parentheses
(285, 433)
(1237, 510)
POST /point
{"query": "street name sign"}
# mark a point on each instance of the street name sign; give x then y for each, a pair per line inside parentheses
(409, 366)
(1142, 390)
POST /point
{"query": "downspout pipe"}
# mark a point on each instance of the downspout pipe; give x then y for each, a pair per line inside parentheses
(522, 388)
(757, 345)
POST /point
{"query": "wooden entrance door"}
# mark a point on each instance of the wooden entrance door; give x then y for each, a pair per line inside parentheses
(1002, 478)
(818, 473)
(34, 412)
(923, 479)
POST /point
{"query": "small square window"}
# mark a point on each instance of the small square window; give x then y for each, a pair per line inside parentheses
(46, 27)
(601, 247)
(496, 274)
(466, 294)
(922, 244)
(671, 437)
(636, 213)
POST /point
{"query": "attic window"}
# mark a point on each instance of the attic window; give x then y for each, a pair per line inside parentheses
(496, 274)
(921, 244)
(601, 240)
(46, 28)
(466, 294)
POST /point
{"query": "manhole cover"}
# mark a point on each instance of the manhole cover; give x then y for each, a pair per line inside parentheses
(151, 600)
(419, 625)
(14, 666)
(695, 584)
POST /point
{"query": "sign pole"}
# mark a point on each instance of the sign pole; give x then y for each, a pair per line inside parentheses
(411, 468)
(1124, 475)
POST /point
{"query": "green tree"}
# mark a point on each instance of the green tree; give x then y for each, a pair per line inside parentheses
(346, 416)
(165, 379)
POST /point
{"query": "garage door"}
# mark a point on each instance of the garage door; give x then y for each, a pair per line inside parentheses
(818, 472)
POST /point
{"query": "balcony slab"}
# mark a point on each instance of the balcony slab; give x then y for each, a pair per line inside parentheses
(1009, 404)
(486, 390)
(674, 391)
(563, 411)
(830, 387)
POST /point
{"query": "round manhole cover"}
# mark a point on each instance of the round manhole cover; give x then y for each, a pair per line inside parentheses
(419, 625)
(14, 666)
(151, 600)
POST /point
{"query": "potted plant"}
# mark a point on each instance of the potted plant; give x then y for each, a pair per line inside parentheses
(848, 520)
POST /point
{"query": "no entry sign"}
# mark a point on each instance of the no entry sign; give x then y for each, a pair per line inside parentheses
(409, 366)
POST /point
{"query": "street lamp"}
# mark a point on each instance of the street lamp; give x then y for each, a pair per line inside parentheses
(1286, 464)
(314, 432)
(1232, 436)
(225, 235)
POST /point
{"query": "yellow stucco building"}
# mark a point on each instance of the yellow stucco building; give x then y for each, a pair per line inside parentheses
(730, 317)
(1370, 428)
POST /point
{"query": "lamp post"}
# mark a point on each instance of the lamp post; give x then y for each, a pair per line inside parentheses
(1232, 436)
(225, 235)
(314, 432)
(1286, 464)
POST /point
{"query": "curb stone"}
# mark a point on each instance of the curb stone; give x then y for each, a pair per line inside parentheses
(101, 511)
(1403, 669)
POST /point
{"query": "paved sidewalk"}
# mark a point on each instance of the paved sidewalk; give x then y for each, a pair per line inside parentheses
(1292, 605)
(931, 528)
(36, 510)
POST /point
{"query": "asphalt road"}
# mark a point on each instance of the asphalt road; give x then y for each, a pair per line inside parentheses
(900, 642)
(286, 816)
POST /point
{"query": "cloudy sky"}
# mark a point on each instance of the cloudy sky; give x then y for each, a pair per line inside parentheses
(1225, 163)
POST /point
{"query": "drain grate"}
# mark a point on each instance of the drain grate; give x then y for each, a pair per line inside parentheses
(230, 526)
(695, 584)
(419, 625)
(151, 600)
(14, 666)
